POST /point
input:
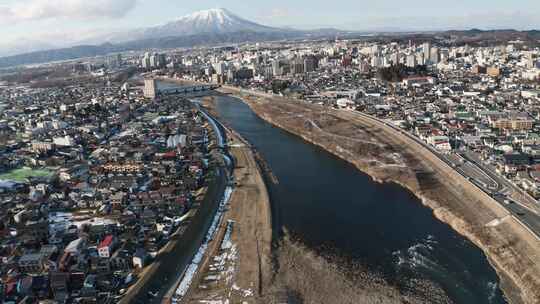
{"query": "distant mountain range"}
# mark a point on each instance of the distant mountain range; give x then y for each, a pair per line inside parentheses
(209, 27)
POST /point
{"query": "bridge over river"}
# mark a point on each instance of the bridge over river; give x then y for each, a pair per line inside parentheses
(165, 87)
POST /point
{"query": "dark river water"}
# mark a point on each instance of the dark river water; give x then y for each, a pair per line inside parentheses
(333, 207)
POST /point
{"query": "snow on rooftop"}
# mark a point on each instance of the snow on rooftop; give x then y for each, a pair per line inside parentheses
(61, 221)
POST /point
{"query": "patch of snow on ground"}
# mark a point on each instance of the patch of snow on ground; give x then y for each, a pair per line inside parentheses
(192, 269)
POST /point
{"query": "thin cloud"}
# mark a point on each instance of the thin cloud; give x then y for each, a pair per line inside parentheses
(27, 10)
(519, 20)
(275, 16)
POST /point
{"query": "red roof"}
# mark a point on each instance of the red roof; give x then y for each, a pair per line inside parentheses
(170, 154)
(106, 242)
(10, 287)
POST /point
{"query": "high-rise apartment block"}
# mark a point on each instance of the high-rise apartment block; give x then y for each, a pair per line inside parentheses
(150, 88)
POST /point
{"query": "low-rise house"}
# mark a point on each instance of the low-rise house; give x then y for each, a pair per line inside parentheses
(515, 161)
(440, 142)
(32, 263)
(140, 258)
(75, 247)
(106, 246)
(59, 282)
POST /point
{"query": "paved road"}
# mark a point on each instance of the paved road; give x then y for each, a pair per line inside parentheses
(527, 216)
(217, 129)
(524, 215)
(472, 170)
(488, 169)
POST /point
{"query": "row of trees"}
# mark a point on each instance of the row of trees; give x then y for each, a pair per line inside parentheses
(395, 73)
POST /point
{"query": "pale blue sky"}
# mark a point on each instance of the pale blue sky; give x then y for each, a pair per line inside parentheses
(41, 18)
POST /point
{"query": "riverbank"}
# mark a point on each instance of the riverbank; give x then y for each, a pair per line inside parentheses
(389, 157)
(237, 268)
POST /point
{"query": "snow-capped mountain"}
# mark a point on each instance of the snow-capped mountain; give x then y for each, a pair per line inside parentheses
(212, 21)
(209, 21)
(209, 27)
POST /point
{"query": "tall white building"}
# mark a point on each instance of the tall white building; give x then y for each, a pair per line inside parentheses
(529, 60)
(411, 61)
(153, 60)
(276, 68)
(426, 49)
(375, 50)
(150, 88)
(434, 56)
(377, 61)
(220, 68)
(395, 58)
(146, 61)
(420, 59)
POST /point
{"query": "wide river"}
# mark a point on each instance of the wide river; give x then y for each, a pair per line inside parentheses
(333, 207)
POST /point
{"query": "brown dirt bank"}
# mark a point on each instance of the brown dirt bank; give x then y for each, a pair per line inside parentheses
(244, 270)
(306, 277)
(390, 157)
